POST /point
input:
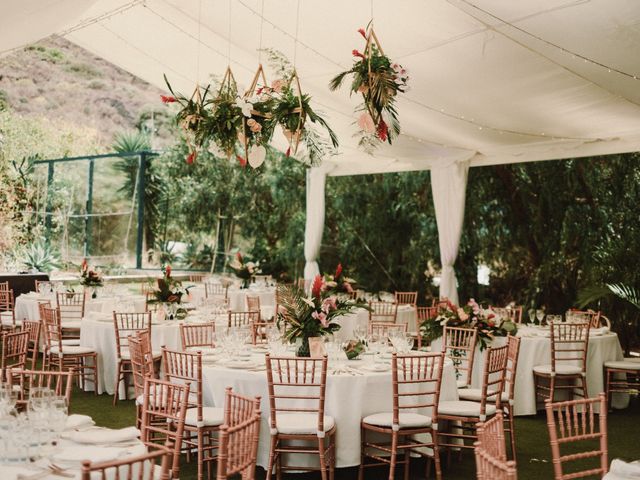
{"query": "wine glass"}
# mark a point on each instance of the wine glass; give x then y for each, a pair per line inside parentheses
(540, 315)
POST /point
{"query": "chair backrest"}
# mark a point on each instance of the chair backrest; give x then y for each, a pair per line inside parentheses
(513, 344)
(573, 422)
(34, 328)
(386, 330)
(155, 465)
(259, 332)
(198, 335)
(5, 285)
(45, 284)
(7, 307)
(459, 344)
(238, 437)
(490, 451)
(163, 412)
(383, 311)
(296, 385)
(51, 328)
(569, 344)
(253, 303)
(71, 305)
(580, 316)
(127, 324)
(243, 319)
(185, 368)
(197, 277)
(15, 347)
(141, 360)
(215, 290)
(495, 365)
(509, 313)
(406, 298)
(60, 382)
(42, 304)
(416, 384)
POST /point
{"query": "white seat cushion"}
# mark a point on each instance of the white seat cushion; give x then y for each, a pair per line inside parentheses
(475, 395)
(71, 324)
(632, 359)
(72, 350)
(127, 356)
(623, 364)
(211, 416)
(70, 342)
(561, 369)
(7, 319)
(302, 423)
(464, 408)
(405, 420)
(461, 383)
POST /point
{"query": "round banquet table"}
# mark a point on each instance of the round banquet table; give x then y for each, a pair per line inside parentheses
(348, 399)
(238, 297)
(26, 306)
(535, 349)
(360, 317)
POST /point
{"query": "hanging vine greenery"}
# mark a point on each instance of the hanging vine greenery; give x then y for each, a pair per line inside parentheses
(379, 81)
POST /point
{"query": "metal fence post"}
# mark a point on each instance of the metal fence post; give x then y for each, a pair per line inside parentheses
(89, 210)
(141, 186)
(47, 214)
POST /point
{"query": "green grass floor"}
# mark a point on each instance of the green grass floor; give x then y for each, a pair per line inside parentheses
(532, 440)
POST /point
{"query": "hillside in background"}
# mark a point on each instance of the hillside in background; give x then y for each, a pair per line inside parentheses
(60, 81)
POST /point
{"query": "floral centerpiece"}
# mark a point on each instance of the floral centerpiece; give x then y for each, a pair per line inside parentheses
(168, 291)
(310, 316)
(90, 278)
(378, 80)
(244, 270)
(339, 283)
(470, 315)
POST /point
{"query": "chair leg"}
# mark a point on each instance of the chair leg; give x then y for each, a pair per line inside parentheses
(407, 458)
(332, 458)
(200, 454)
(362, 451)
(116, 392)
(583, 380)
(394, 455)
(436, 455)
(552, 388)
(512, 432)
(323, 460)
(272, 454)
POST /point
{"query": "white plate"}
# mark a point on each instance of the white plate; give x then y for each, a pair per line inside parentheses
(376, 367)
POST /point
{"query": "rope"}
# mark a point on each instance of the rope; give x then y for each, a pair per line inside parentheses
(198, 48)
(261, 29)
(229, 37)
(295, 39)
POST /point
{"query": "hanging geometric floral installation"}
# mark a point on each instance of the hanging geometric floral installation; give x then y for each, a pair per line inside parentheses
(257, 126)
(379, 81)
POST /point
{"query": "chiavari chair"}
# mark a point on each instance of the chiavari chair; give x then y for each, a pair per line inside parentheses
(198, 335)
(468, 413)
(4, 285)
(297, 421)
(216, 291)
(386, 330)
(513, 314)
(406, 298)
(422, 314)
(253, 305)
(197, 277)
(61, 383)
(576, 423)
(125, 325)
(71, 307)
(239, 435)
(142, 367)
(383, 311)
(242, 319)
(69, 336)
(33, 327)
(591, 316)
(490, 452)
(15, 348)
(459, 344)
(259, 332)
(568, 368)
(46, 284)
(163, 412)
(155, 465)
(621, 376)
(7, 311)
(200, 422)
(416, 393)
(61, 357)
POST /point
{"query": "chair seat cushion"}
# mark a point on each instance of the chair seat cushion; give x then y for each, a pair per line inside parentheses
(71, 324)
(632, 359)
(475, 395)
(211, 416)
(301, 423)
(464, 408)
(461, 383)
(561, 369)
(621, 364)
(125, 355)
(405, 420)
(70, 342)
(7, 319)
(72, 350)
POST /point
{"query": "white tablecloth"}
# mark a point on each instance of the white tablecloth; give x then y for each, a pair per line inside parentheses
(27, 304)
(360, 317)
(238, 297)
(348, 399)
(536, 350)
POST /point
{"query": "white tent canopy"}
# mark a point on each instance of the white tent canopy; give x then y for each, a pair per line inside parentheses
(491, 81)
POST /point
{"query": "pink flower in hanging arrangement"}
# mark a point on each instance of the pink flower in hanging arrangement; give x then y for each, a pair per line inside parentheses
(347, 287)
(383, 131)
(362, 32)
(191, 158)
(167, 271)
(241, 161)
(365, 122)
(328, 304)
(168, 99)
(277, 85)
(288, 153)
(318, 286)
(356, 53)
(338, 272)
(321, 317)
(239, 257)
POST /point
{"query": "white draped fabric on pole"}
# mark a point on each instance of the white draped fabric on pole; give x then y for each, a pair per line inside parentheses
(449, 185)
(316, 178)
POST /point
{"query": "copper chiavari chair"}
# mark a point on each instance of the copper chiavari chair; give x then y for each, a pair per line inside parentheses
(468, 413)
(259, 332)
(15, 347)
(61, 383)
(239, 435)
(216, 291)
(513, 314)
(422, 314)
(7, 311)
(142, 467)
(125, 325)
(386, 330)
(591, 316)
(459, 344)
(568, 368)
(253, 305)
(186, 369)
(163, 412)
(383, 312)
(242, 319)
(490, 452)
(197, 277)
(406, 298)
(71, 307)
(576, 423)
(198, 335)
(416, 388)
(33, 328)
(296, 401)
(44, 283)
(142, 367)
(621, 376)
(4, 285)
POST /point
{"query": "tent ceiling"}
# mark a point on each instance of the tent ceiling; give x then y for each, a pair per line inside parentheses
(481, 89)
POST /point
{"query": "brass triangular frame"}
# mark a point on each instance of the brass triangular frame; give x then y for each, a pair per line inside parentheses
(228, 81)
(372, 39)
(250, 91)
(294, 141)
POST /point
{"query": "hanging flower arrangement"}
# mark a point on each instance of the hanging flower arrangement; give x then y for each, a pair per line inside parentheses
(227, 110)
(378, 80)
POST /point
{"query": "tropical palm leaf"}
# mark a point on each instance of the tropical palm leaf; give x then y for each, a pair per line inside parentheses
(625, 292)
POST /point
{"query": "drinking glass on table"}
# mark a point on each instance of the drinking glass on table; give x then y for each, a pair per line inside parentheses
(540, 315)
(39, 398)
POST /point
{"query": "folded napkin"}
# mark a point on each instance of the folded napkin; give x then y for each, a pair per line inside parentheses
(78, 422)
(624, 470)
(100, 436)
(80, 453)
